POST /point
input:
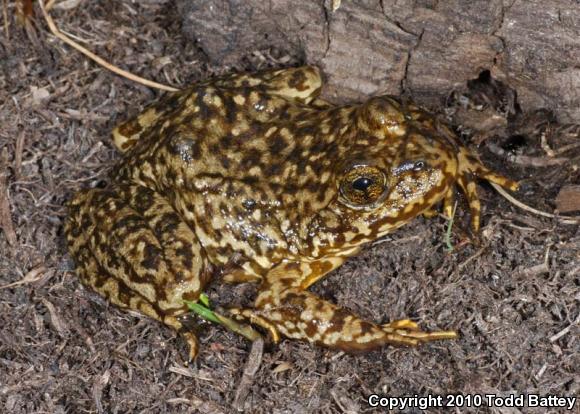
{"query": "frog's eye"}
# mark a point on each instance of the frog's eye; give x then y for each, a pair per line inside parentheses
(363, 185)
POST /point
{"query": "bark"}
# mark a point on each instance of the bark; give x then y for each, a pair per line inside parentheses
(419, 47)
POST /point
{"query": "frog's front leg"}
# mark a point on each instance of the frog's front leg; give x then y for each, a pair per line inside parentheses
(283, 306)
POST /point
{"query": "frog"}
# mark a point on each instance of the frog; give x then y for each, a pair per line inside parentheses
(254, 178)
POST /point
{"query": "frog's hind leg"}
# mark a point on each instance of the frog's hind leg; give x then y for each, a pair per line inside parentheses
(134, 249)
(284, 307)
(128, 133)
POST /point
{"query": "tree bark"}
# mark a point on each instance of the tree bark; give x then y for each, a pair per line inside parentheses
(424, 48)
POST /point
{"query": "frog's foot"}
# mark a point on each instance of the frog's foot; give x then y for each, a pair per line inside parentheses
(410, 333)
(469, 168)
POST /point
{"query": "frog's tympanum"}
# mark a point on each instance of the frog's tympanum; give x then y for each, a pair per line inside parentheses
(254, 177)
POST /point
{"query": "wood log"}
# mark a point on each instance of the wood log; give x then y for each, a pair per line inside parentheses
(423, 48)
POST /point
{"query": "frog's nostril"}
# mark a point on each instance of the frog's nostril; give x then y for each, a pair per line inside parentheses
(410, 166)
(419, 165)
(249, 204)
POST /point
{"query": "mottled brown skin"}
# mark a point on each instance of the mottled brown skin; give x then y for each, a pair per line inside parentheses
(253, 176)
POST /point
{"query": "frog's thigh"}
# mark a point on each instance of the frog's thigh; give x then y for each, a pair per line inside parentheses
(133, 248)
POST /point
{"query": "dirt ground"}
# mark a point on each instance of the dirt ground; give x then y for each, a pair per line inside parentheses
(513, 294)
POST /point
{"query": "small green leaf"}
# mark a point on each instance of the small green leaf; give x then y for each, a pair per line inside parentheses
(202, 311)
(204, 299)
(205, 313)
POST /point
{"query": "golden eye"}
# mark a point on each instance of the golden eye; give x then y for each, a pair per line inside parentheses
(363, 185)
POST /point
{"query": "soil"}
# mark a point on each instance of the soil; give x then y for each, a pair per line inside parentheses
(512, 292)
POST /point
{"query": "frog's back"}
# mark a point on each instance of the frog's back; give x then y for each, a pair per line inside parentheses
(239, 158)
(213, 129)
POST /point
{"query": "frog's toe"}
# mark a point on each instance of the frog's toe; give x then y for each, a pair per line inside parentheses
(240, 276)
(402, 324)
(192, 343)
(252, 316)
(185, 332)
(448, 205)
(498, 179)
(407, 332)
(468, 162)
(470, 190)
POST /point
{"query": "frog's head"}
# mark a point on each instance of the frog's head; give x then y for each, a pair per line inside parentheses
(401, 162)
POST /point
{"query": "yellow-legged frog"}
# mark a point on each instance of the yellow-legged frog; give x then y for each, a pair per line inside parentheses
(256, 177)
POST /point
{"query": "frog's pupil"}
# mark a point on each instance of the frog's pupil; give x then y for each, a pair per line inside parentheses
(362, 183)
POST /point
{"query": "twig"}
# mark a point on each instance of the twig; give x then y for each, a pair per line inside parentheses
(97, 390)
(6, 21)
(564, 331)
(6, 223)
(55, 319)
(566, 148)
(539, 374)
(18, 155)
(57, 33)
(545, 146)
(252, 366)
(470, 258)
(32, 276)
(511, 199)
(525, 159)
